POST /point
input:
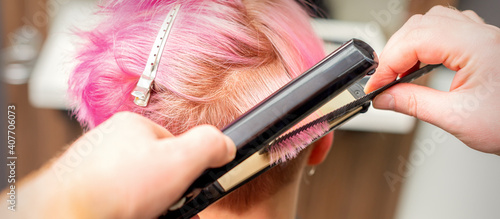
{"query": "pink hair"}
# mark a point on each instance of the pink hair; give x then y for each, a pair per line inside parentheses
(221, 58)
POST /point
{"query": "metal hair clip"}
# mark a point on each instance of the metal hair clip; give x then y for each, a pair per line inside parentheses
(142, 91)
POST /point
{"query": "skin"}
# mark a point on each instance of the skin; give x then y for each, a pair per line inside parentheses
(130, 167)
(149, 156)
(463, 43)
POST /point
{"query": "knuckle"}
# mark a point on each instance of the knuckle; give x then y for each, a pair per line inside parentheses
(126, 119)
(415, 20)
(207, 129)
(412, 106)
(211, 135)
(439, 9)
(124, 116)
(494, 35)
(470, 12)
(473, 15)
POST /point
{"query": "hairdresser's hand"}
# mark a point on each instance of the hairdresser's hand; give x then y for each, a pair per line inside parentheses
(463, 43)
(128, 167)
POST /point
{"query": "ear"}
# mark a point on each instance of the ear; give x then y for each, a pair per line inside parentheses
(320, 149)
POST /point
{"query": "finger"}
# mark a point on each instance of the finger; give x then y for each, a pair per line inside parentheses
(193, 152)
(390, 78)
(447, 12)
(473, 16)
(384, 74)
(140, 124)
(379, 79)
(182, 159)
(440, 10)
(421, 102)
(452, 12)
(159, 131)
(200, 148)
(428, 39)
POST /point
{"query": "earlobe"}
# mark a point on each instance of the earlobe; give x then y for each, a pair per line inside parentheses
(320, 149)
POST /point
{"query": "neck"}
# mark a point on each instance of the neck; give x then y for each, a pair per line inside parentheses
(281, 205)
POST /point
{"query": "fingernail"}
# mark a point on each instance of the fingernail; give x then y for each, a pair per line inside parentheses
(384, 101)
(231, 148)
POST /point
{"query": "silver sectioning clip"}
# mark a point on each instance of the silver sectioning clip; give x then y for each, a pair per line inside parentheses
(142, 91)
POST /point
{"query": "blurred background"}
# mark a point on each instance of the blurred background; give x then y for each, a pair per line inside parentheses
(382, 164)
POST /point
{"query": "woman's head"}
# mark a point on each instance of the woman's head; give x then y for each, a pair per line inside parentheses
(221, 58)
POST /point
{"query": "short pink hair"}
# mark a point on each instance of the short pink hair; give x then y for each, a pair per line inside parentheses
(221, 59)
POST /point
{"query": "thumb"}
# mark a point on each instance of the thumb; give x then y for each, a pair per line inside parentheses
(424, 103)
(204, 147)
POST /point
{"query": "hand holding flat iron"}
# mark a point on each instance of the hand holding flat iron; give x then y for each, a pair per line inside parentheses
(463, 43)
(127, 167)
